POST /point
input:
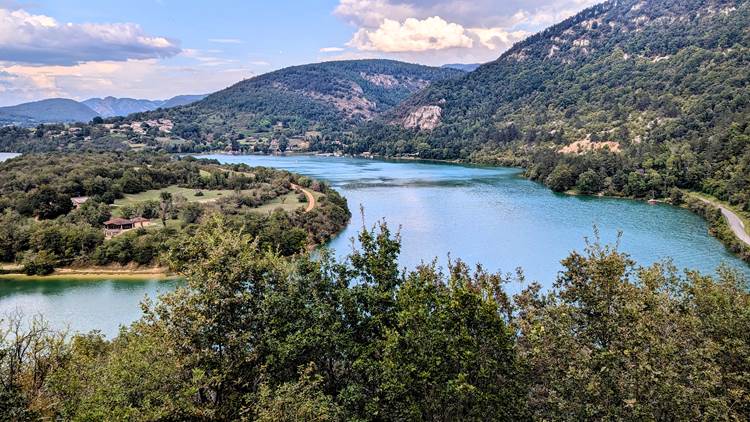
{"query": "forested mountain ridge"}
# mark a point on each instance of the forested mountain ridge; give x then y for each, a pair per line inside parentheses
(588, 73)
(305, 104)
(664, 83)
(332, 96)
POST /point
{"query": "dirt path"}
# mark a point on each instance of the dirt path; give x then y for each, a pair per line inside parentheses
(308, 194)
(735, 222)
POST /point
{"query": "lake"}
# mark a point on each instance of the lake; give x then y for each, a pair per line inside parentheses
(482, 215)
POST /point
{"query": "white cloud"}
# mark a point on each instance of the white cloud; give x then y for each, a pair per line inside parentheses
(415, 35)
(371, 13)
(498, 38)
(225, 40)
(40, 39)
(452, 30)
(207, 57)
(331, 50)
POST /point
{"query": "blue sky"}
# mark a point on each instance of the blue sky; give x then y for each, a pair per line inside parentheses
(160, 48)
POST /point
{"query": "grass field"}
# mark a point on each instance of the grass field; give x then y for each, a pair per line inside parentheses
(153, 195)
(288, 202)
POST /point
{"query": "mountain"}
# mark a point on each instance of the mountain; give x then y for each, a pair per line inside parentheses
(466, 67)
(331, 96)
(628, 97)
(625, 70)
(63, 110)
(111, 106)
(46, 111)
(181, 100)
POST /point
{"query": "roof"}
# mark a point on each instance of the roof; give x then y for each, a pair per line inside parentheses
(79, 199)
(118, 221)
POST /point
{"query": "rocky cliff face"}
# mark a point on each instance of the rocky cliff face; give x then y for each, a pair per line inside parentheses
(423, 118)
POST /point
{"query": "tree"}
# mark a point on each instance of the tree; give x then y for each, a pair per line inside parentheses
(561, 178)
(616, 342)
(39, 263)
(165, 206)
(589, 182)
(47, 203)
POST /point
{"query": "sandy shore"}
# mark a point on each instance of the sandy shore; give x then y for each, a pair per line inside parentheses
(93, 274)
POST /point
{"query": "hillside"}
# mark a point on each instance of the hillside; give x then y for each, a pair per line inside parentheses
(664, 83)
(46, 111)
(181, 100)
(329, 96)
(621, 64)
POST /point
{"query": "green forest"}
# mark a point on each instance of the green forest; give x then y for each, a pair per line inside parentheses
(41, 228)
(252, 335)
(656, 94)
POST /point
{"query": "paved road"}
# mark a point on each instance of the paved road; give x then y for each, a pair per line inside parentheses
(735, 222)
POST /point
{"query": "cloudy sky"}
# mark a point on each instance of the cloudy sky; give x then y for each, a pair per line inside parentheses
(160, 48)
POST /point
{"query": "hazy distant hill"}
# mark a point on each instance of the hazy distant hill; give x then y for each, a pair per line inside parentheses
(466, 67)
(111, 106)
(181, 100)
(46, 111)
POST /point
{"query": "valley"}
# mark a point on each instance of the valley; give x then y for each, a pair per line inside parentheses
(544, 217)
(491, 215)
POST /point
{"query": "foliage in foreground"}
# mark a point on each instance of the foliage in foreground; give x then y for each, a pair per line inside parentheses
(255, 336)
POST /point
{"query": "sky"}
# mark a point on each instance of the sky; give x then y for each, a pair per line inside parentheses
(157, 49)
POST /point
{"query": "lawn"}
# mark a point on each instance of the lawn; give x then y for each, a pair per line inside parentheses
(288, 202)
(188, 193)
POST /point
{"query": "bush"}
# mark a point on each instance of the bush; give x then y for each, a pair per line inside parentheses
(40, 263)
(589, 182)
(561, 178)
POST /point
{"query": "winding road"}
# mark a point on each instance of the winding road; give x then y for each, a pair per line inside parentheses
(735, 222)
(308, 194)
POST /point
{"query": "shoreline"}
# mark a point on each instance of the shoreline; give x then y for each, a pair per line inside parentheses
(92, 274)
(461, 162)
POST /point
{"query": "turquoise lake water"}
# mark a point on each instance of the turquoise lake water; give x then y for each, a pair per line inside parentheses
(482, 215)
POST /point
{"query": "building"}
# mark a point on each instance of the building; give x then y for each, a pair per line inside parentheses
(79, 200)
(140, 222)
(116, 226)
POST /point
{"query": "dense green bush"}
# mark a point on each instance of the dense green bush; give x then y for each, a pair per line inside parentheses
(39, 263)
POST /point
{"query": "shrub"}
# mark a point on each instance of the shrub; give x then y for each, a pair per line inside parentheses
(40, 263)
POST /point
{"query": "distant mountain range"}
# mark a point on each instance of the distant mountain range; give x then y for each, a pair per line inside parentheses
(466, 67)
(111, 106)
(53, 110)
(63, 110)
